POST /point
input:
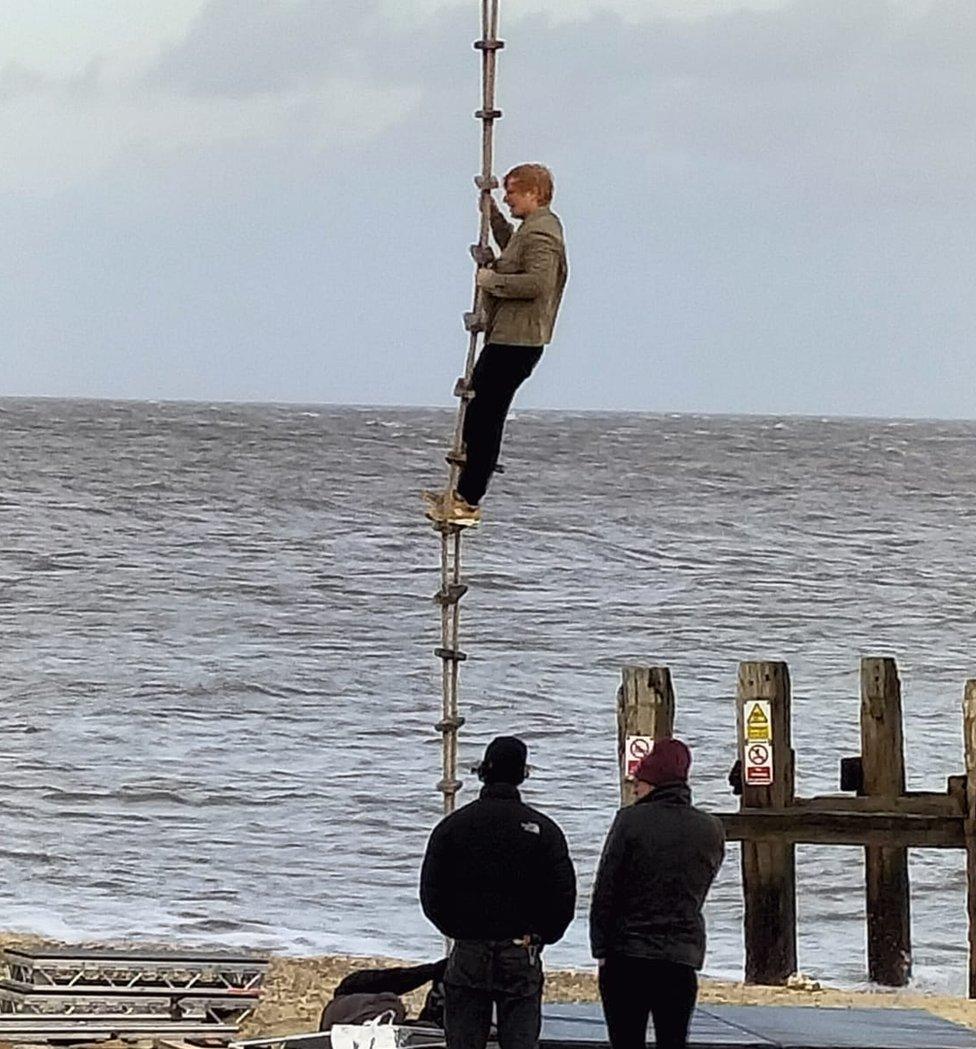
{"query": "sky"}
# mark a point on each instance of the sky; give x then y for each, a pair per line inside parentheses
(769, 205)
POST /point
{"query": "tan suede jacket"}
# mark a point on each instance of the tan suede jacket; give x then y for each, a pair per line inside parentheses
(526, 287)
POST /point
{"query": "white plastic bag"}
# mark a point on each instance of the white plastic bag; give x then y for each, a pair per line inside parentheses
(376, 1034)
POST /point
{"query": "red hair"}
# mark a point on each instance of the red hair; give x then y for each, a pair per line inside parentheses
(532, 178)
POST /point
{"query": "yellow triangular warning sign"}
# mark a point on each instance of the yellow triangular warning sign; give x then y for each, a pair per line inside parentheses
(757, 723)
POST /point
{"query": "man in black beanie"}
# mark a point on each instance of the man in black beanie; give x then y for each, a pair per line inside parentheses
(497, 880)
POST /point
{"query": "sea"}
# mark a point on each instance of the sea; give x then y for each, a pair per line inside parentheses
(218, 686)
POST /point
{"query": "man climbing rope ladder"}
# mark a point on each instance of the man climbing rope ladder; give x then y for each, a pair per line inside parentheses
(521, 290)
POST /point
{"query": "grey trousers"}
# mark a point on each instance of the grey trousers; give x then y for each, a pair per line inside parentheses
(482, 975)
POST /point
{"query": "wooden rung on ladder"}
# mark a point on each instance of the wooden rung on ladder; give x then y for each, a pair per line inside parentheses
(451, 595)
(453, 655)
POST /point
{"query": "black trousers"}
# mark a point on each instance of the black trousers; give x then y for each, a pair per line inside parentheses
(481, 975)
(634, 989)
(499, 371)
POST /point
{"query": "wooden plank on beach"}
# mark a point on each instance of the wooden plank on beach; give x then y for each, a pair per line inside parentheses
(919, 803)
(763, 720)
(799, 826)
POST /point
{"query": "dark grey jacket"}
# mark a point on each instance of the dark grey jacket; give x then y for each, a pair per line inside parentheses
(658, 863)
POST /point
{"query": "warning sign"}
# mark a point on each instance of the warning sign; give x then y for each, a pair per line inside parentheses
(759, 764)
(636, 748)
(758, 721)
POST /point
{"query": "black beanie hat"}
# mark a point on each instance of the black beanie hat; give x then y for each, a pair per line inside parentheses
(504, 761)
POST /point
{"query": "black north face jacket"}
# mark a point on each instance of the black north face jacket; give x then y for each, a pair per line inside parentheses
(498, 869)
(658, 863)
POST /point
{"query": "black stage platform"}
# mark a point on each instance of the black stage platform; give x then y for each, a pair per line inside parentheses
(774, 1027)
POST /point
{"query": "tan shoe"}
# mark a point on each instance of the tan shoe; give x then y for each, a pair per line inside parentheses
(448, 508)
(435, 504)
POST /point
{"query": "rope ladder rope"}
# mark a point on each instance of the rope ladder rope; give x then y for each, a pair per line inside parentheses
(452, 588)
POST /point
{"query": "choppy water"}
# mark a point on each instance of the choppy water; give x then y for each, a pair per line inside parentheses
(218, 685)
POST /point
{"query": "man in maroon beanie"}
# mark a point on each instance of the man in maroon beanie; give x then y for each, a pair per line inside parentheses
(646, 926)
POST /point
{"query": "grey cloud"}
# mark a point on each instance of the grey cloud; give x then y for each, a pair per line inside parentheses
(236, 50)
(945, 37)
(817, 93)
(17, 79)
(820, 91)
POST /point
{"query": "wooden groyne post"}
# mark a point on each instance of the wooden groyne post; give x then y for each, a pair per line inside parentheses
(645, 712)
(765, 750)
(969, 741)
(887, 892)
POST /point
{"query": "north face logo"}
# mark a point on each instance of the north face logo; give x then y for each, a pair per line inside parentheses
(532, 828)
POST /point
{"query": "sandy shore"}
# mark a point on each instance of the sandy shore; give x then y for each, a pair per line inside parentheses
(296, 989)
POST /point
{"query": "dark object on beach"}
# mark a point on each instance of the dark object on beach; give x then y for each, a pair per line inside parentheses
(367, 993)
(735, 778)
(396, 980)
(432, 1011)
(360, 1008)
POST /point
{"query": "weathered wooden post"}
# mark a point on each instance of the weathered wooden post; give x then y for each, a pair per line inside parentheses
(645, 712)
(969, 736)
(886, 868)
(768, 867)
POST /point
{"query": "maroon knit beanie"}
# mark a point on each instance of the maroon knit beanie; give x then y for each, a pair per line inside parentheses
(668, 762)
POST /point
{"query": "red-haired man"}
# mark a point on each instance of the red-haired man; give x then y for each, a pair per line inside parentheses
(521, 290)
